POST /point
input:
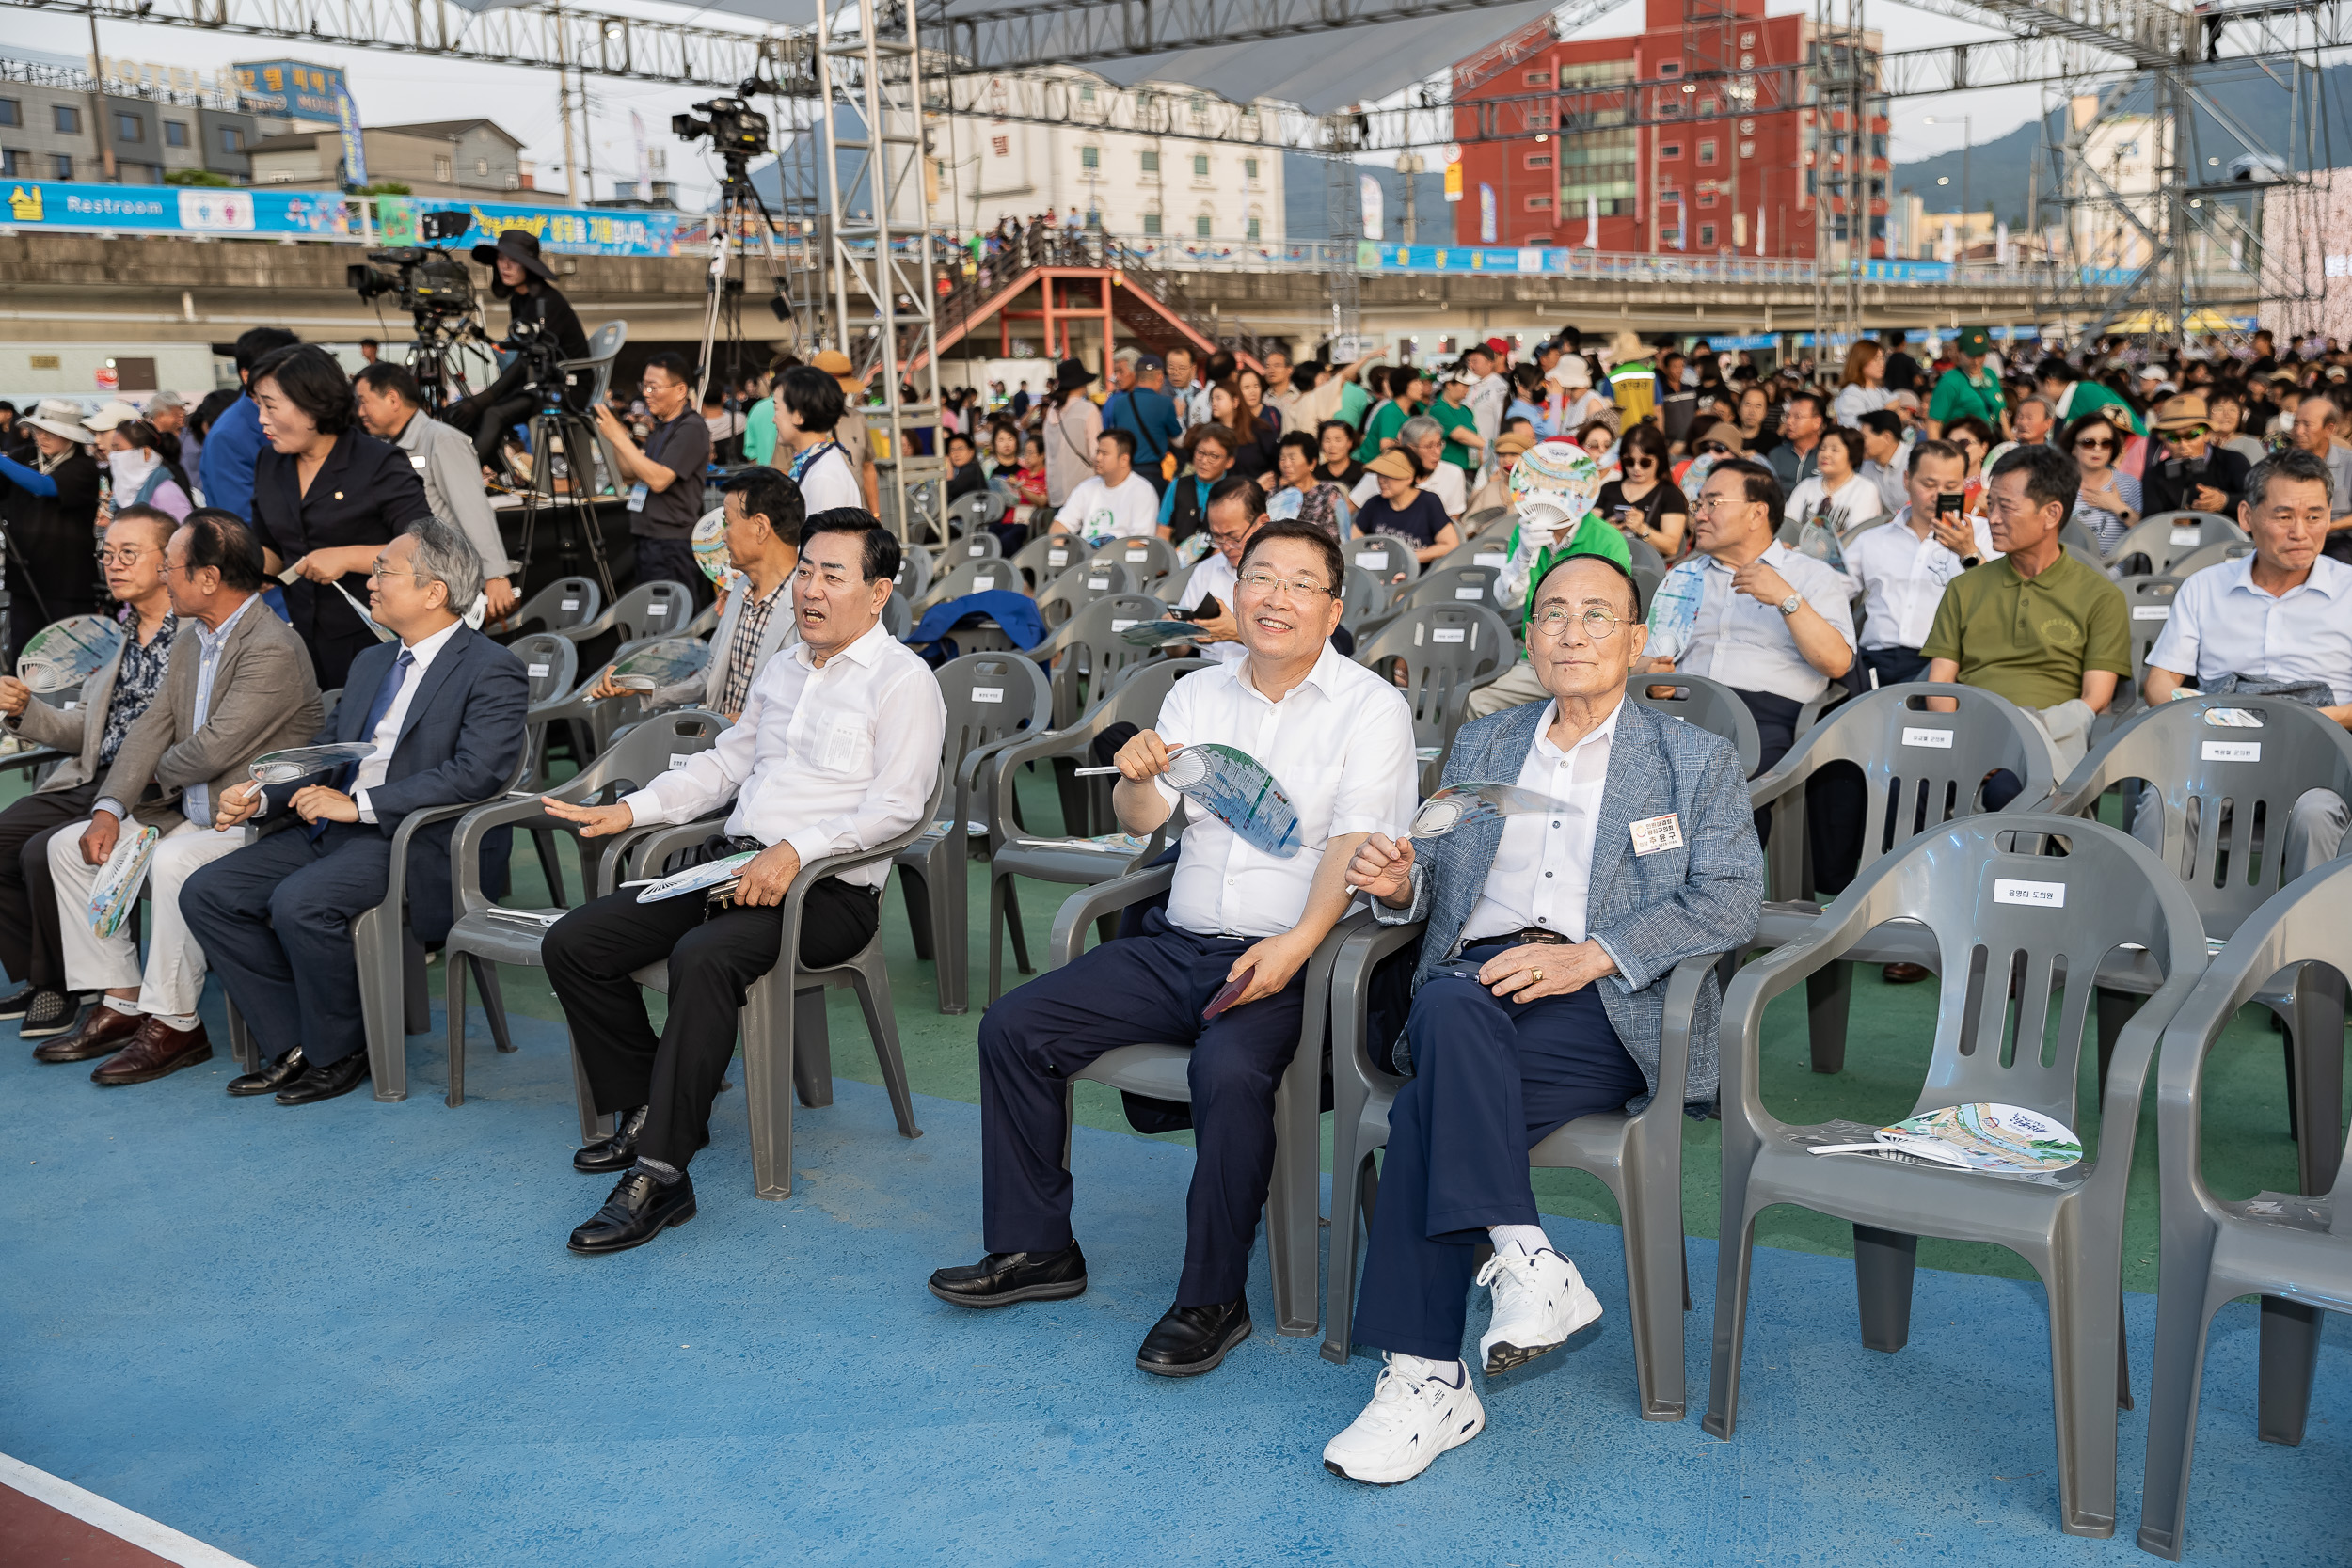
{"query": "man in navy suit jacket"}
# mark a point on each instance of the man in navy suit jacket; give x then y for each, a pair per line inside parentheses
(444, 706)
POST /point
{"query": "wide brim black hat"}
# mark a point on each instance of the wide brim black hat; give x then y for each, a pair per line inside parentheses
(1071, 373)
(517, 245)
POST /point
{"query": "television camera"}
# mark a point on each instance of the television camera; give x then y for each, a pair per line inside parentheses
(434, 286)
(738, 134)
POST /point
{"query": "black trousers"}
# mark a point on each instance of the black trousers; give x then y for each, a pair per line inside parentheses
(489, 427)
(1894, 666)
(672, 561)
(714, 956)
(28, 896)
(1834, 801)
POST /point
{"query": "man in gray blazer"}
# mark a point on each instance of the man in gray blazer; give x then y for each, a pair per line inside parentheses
(1538, 999)
(239, 683)
(391, 409)
(88, 729)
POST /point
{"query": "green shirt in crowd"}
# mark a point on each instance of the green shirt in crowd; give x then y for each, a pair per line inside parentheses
(1592, 537)
(759, 433)
(2030, 639)
(1385, 424)
(1959, 396)
(1453, 418)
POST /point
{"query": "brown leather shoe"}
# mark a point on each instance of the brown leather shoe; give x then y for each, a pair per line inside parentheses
(101, 1034)
(157, 1048)
(1904, 974)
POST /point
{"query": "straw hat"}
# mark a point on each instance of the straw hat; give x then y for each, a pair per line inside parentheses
(1394, 464)
(60, 417)
(836, 364)
(2185, 412)
(1512, 442)
(1727, 433)
(115, 413)
(1625, 346)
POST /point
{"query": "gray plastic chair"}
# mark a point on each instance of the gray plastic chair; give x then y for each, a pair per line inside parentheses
(1645, 554)
(1384, 556)
(1492, 553)
(1080, 586)
(1295, 1190)
(896, 619)
(1478, 585)
(1639, 1158)
(1362, 597)
(2149, 601)
(782, 1022)
(649, 609)
(1090, 649)
(1012, 848)
(2212, 555)
(552, 662)
(1148, 558)
(1444, 651)
(914, 581)
(650, 750)
(968, 516)
(1475, 523)
(2225, 816)
(1710, 705)
(1042, 561)
(988, 697)
(986, 574)
(1963, 884)
(1920, 770)
(1170, 589)
(2169, 537)
(2280, 1246)
(565, 607)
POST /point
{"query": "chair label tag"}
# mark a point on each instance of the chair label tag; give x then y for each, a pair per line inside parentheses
(2188, 533)
(1940, 739)
(538, 672)
(2046, 895)
(1448, 634)
(1372, 560)
(2232, 751)
(571, 604)
(679, 759)
(1491, 557)
(988, 694)
(1470, 593)
(1058, 558)
(1137, 552)
(981, 585)
(1655, 833)
(2152, 612)
(1098, 584)
(1120, 625)
(976, 551)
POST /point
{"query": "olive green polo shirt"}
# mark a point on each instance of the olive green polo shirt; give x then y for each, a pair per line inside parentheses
(2030, 639)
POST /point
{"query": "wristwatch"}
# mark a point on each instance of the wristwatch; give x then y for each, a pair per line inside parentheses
(1789, 606)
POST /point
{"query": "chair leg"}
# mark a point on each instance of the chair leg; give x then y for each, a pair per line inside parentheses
(2086, 1295)
(485, 979)
(1654, 1247)
(551, 867)
(1828, 997)
(1352, 1191)
(1734, 1255)
(416, 998)
(2315, 1047)
(999, 888)
(2183, 1320)
(951, 927)
(378, 955)
(1015, 930)
(2289, 1360)
(872, 982)
(767, 1023)
(2114, 1011)
(1294, 1196)
(453, 986)
(812, 1050)
(1884, 1263)
(914, 887)
(241, 1044)
(592, 1126)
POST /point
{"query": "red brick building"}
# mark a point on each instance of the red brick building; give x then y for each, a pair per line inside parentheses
(1671, 165)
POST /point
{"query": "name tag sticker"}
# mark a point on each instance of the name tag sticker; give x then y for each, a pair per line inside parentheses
(538, 672)
(1490, 557)
(1372, 560)
(679, 759)
(2232, 751)
(416, 461)
(981, 585)
(1940, 739)
(1448, 634)
(1470, 593)
(1098, 584)
(2187, 535)
(1657, 833)
(988, 694)
(637, 495)
(2152, 612)
(2046, 895)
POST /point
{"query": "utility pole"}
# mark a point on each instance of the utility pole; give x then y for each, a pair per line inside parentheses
(1409, 168)
(98, 101)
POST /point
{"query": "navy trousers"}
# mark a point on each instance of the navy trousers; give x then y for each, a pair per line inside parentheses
(274, 920)
(1146, 989)
(1491, 1080)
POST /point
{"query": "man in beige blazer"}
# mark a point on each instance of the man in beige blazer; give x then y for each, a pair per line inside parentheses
(239, 685)
(88, 728)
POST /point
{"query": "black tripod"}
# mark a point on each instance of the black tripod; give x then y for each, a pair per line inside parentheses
(435, 359)
(566, 456)
(740, 202)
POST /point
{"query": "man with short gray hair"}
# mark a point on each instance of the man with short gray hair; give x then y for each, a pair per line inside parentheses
(444, 707)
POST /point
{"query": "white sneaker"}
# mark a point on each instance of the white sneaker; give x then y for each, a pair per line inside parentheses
(1410, 1421)
(1539, 1301)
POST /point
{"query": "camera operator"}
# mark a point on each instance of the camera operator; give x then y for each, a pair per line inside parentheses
(665, 498)
(50, 507)
(232, 443)
(327, 498)
(2193, 474)
(534, 308)
(386, 396)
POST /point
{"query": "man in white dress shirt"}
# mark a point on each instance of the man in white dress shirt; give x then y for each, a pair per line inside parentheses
(837, 749)
(1237, 507)
(2281, 618)
(1902, 565)
(1114, 502)
(1339, 741)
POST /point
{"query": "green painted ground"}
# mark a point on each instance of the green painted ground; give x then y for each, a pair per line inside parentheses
(1888, 1046)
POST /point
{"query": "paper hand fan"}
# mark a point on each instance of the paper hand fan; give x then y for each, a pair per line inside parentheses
(711, 553)
(300, 761)
(1235, 788)
(717, 877)
(117, 890)
(664, 663)
(1462, 804)
(64, 654)
(1154, 634)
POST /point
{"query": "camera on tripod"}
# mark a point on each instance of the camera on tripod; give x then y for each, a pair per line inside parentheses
(735, 128)
(427, 283)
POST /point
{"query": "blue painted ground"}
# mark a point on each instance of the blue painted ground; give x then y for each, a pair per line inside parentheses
(350, 1334)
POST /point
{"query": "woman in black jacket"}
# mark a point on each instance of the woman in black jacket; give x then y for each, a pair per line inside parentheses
(50, 506)
(327, 498)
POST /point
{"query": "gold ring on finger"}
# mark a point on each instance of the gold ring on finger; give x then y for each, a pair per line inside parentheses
(1537, 975)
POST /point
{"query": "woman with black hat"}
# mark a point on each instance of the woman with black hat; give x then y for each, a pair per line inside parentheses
(51, 508)
(535, 306)
(1072, 423)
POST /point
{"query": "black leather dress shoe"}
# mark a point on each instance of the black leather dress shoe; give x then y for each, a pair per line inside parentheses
(272, 1075)
(1190, 1341)
(325, 1081)
(1002, 1278)
(639, 1209)
(619, 1152)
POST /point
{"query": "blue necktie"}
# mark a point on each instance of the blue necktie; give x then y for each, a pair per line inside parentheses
(387, 692)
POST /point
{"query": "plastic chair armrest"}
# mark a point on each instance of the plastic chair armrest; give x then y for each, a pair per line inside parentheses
(1674, 1037)
(1083, 908)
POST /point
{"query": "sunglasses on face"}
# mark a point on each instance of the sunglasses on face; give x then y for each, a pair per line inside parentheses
(1642, 462)
(2094, 443)
(1713, 448)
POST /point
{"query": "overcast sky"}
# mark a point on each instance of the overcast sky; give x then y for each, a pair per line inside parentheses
(392, 88)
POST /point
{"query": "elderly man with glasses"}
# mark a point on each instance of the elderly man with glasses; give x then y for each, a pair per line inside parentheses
(1233, 942)
(442, 706)
(1540, 998)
